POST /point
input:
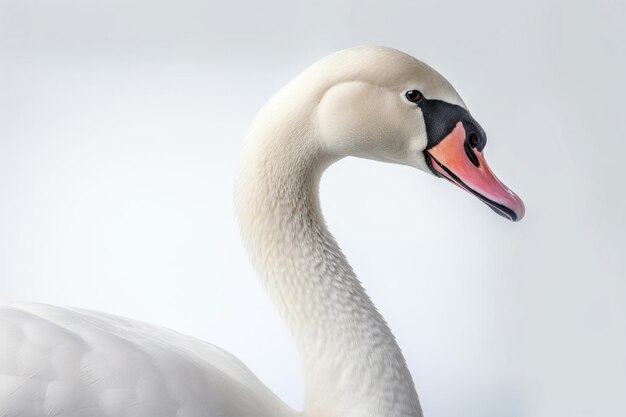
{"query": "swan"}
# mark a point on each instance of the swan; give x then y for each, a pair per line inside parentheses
(369, 102)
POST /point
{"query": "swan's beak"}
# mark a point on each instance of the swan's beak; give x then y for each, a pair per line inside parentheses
(465, 166)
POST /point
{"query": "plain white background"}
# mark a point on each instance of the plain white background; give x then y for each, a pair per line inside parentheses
(120, 125)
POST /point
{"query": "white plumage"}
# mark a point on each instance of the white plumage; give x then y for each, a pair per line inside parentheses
(76, 363)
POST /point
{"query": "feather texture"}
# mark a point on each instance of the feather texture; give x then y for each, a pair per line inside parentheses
(76, 363)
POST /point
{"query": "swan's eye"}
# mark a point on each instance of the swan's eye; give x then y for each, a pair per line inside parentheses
(473, 140)
(413, 96)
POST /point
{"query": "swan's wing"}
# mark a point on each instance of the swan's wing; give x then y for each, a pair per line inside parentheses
(75, 363)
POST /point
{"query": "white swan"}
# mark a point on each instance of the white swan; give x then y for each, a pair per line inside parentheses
(368, 102)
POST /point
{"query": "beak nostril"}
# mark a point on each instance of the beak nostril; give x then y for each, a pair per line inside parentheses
(473, 140)
(467, 146)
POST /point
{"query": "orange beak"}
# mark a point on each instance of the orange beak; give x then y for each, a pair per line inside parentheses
(465, 166)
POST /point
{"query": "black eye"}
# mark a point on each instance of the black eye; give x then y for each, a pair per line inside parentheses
(413, 96)
(473, 140)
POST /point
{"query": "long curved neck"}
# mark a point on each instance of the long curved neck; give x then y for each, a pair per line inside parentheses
(352, 363)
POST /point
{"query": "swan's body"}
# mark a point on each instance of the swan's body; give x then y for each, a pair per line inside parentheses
(59, 362)
(76, 363)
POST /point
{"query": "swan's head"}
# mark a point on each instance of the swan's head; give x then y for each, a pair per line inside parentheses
(381, 104)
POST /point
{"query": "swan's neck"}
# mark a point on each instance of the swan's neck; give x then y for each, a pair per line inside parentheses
(352, 364)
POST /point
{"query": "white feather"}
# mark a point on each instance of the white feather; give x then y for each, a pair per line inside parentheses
(66, 362)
